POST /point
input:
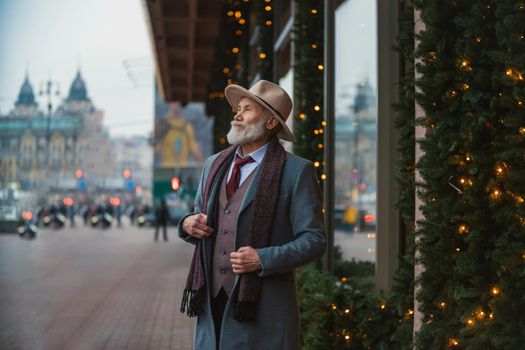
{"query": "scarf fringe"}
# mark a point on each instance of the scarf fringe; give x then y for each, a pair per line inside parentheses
(192, 302)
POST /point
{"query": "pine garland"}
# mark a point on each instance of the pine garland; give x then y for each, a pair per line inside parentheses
(472, 239)
(308, 81)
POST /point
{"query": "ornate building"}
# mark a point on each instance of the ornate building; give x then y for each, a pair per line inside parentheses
(41, 150)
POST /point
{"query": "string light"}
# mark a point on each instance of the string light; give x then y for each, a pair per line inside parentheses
(302, 116)
(242, 21)
(468, 157)
(317, 108)
(513, 74)
(268, 8)
(226, 70)
(323, 177)
(316, 164)
(334, 307)
(453, 342)
(314, 46)
(464, 64)
(230, 13)
(238, 14)
(463, 229)
(442, 305)
(522, 130)
(268, 23)
(478, 39)
(262, 55)
(480, 314)
(314, 11)
(320, 146)
(495, 291)
(320, 67)
(238, 32)
(465, 86)
(495, 193)
(323, 123)
(470, 322)
(235, 50)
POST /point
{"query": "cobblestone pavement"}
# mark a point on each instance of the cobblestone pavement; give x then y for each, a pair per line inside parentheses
(88, 288)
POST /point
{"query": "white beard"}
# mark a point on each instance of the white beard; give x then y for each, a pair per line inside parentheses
(248, 133)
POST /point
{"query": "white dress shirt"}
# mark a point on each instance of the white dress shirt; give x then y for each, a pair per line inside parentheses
(247, 168)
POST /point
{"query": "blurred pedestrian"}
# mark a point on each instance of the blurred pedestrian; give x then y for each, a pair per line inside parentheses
(161, 219)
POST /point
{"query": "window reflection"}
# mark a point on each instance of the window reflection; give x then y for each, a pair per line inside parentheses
(356, 129)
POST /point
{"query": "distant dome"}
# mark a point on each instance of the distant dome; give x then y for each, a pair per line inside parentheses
(26, 97)
(78, 91)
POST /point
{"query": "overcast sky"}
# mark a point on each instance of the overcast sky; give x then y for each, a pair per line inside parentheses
(53, 38)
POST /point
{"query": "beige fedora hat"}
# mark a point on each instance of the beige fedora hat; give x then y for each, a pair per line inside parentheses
(269, 95)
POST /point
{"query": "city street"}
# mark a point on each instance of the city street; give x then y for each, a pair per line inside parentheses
(88, 288)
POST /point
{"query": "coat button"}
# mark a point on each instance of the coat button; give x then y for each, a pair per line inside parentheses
(223, 252)
(227, 211)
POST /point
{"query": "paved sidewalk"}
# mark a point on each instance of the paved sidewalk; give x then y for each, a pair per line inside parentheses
(92, 289)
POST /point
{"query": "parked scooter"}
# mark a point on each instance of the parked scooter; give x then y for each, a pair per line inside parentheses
(27, 227)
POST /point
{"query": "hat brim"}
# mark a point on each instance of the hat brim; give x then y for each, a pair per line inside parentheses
(234, 94)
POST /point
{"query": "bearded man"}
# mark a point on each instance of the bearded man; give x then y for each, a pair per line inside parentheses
(257, 218)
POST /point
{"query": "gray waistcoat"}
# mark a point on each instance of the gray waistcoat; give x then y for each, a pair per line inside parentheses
(227, 213)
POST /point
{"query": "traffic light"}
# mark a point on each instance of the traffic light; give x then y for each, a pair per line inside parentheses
(175, 183)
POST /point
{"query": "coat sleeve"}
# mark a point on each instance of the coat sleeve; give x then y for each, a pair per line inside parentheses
(197, 207)
(306, 218)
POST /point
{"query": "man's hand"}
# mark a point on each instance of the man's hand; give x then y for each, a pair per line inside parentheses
(245, 260)
(197, 226)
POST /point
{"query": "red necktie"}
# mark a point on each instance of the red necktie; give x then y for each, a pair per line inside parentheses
(233, 184)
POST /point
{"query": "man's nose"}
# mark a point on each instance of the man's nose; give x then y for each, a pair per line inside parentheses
(237, 116)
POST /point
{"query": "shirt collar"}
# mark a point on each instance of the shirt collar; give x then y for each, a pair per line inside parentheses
(256, 155)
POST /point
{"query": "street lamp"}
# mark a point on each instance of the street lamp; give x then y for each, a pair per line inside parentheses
(49, 88)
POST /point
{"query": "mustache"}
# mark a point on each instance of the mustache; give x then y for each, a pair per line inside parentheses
(236, 123)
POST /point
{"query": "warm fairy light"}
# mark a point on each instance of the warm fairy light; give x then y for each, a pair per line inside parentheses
(442, 305)
(410, 312)
(344, 279)
(465, 65)
(321, 131)
(468, 158)
(262, 55)
(495, 291)
(242, 21)
(323, 177)
(458, 250)
(480, 314)
(238, 32)
(465, 86)
(320, 146)
(522, 130)
(235, 50)
(347, 311)
(316, 164)
(513, 74)
(268, 23)
(320, 67)
(382, 306)
(478, 39)
(230, 13)
(314, 46)
(314, 11)
(334, 307)
(226, 70)
(316, 132)
(453, 342)
(323, 123)
(238, 14)
(491, 315)
(453, 93)
(499, 170)
(463, 229)
(317, 108)
(268, 8)
(462, 181)
(496, 193)
(267, 0)
(470, 322)
(302, 116)
(347, 337)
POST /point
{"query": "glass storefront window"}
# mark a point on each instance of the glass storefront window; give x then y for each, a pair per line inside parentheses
(356, 129)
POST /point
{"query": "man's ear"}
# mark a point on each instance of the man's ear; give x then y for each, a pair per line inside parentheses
(272, 123)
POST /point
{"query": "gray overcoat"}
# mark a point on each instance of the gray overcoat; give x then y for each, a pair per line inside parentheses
(297, 239)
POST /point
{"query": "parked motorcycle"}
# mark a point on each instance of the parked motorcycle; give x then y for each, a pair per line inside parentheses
(27, 227)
